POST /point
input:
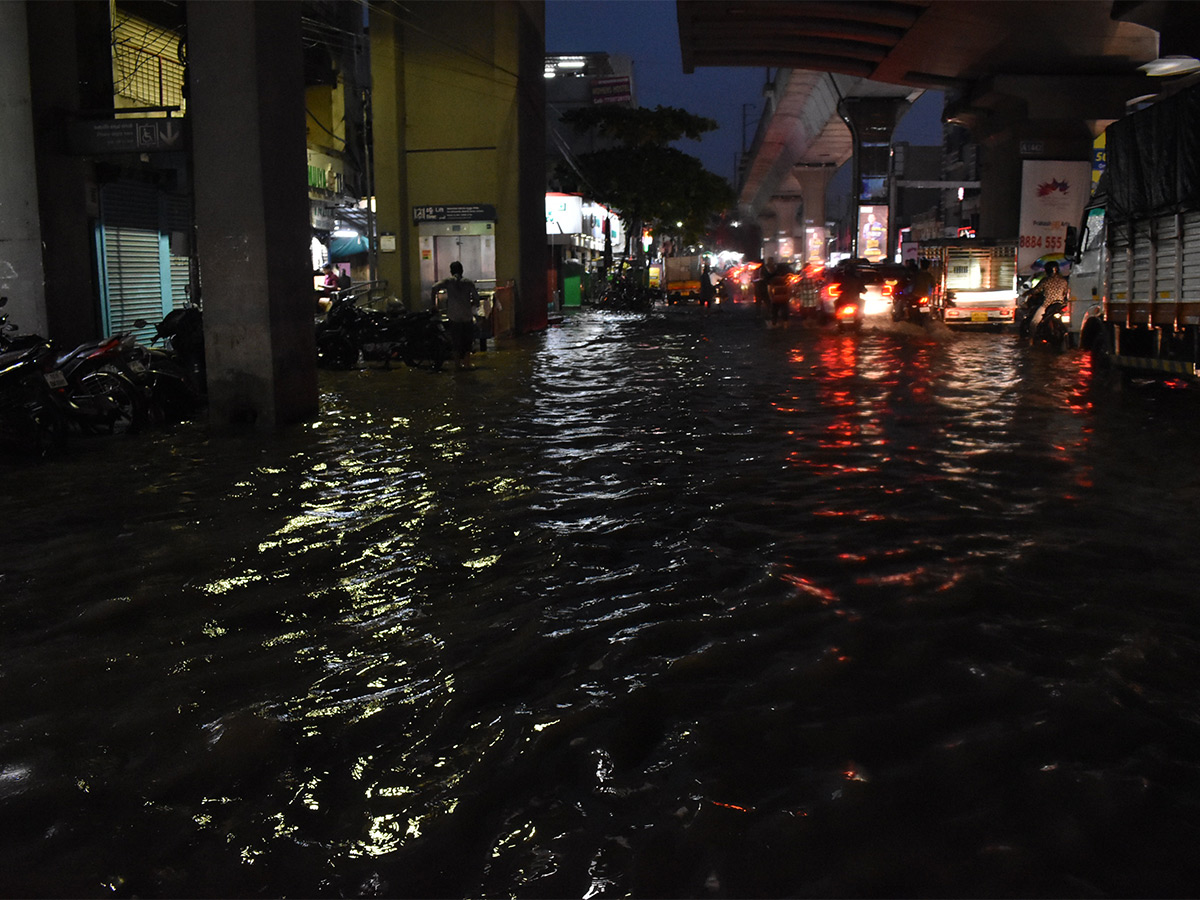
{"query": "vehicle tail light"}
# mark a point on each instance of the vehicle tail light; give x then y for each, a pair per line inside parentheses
(889, 289)
(922, 301)
(834, 290)
(849, 311)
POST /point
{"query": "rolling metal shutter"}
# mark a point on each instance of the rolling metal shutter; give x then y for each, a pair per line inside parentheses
(135, 280)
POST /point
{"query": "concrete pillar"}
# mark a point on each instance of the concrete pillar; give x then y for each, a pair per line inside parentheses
(21, 274)
(248, 146)
(767, 228)
(1014, 118)
(872, 120)
(789, 233)
(814, 182)
(70, 72)
(393, 216)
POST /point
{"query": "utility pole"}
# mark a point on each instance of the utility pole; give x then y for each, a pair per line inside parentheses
(745, 106)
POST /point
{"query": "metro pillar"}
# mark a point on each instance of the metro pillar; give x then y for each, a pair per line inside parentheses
(247, 106)
(814, 180)
(872, 121)
(21, 273)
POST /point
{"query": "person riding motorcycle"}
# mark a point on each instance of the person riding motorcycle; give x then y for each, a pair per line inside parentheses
(851, 288)
(919, 282)
(1053, 288)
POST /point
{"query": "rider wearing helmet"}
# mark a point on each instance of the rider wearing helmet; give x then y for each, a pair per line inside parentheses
(1054, 289)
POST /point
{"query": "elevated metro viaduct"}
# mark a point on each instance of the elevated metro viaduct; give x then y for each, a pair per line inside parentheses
(1044, 74)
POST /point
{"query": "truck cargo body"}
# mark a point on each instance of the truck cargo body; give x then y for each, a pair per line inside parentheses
(683, 277)
(1136, 282)
(977, 282)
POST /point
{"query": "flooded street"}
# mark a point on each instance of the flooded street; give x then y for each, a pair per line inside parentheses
(672, 605)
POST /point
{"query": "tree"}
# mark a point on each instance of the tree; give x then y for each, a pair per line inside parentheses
(649, 182)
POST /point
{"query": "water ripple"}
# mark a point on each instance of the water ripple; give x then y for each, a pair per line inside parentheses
(646, 605)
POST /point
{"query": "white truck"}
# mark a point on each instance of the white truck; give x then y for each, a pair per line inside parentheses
(1135, 278)
(683, 278)
(977, 282)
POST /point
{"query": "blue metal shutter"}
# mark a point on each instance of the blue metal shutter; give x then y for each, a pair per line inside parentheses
(132, 251)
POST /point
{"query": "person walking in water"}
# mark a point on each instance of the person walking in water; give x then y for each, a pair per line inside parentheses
(462, 305)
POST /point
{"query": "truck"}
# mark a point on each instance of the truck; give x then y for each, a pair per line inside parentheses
(977, 281)
(683, 278)
(1135, 275)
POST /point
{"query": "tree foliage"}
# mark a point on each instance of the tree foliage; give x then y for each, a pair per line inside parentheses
(633, 126)
(641, 176)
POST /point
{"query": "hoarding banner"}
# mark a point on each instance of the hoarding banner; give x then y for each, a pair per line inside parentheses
(614, 89)
(872, 233)
(564, 214)
(814, 238)
(1053, 194)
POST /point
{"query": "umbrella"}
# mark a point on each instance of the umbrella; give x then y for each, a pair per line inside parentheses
(1039, 264)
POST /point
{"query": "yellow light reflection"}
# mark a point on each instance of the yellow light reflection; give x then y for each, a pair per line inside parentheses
(224, 585)
(482, 562)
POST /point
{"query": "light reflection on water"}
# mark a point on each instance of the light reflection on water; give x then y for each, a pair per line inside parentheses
(658, 606)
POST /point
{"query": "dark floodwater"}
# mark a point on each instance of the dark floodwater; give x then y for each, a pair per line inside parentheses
(657, 606)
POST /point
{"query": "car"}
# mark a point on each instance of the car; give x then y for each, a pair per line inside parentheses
(880, 282)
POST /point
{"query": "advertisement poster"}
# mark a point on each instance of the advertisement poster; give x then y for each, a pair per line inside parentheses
(872, 232)
(814, 236)
(1053, 193)
(1099, 158)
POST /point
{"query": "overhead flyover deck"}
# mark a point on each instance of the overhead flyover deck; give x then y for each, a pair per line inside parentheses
(1010, 69)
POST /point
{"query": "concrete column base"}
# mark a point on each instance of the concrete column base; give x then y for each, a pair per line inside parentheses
(252, 219)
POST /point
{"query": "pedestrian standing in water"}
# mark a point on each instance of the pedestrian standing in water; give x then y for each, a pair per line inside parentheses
(762, 285)
(462, 304)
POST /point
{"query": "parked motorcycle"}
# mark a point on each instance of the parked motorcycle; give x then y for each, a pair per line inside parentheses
(106, 389)
(94, 385)
(174, 373)
(349, 331)
(31, 421)
(425, 340)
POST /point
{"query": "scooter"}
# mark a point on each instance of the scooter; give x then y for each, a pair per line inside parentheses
(1030, 299)
(425, 340)
(847, 307)
(31, 420)
(348, 331)
(1053, 328)
(94, 386)
(174, 373)
(908, 307)
(347, 328)
(106, 389)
